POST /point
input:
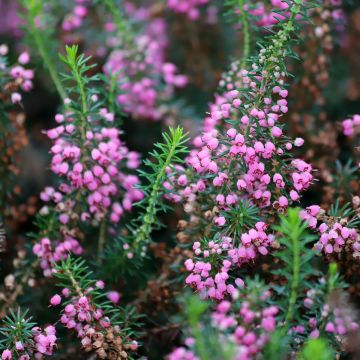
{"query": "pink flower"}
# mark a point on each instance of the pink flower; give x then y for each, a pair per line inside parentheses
(299, 142)
(6, 355)
(220, 221)
(276, 131)
(114, 297)
(55, 300)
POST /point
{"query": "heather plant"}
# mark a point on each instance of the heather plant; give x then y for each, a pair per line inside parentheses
(236, 237)
(15, 79)
(22, 339)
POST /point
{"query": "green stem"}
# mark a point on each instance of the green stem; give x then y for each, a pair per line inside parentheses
(102, 238)
(33, 13)
(150, 213)
(84, 110)
(245, 33)
(200, 345)
(74, 283)
(295, 279)
(112, 92)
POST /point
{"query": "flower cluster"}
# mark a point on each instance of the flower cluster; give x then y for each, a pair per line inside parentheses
(145, 80)
(14, 80)
(244, 324)
(249, 327)
(74, 20)
(264, 15)
(230, 254)
(23, 340)
(351, 126)
(85, 313)
(250, 163)
(335, 237)
(42, 343)
(191, 8)
(94, 168)
(336, 316)
(182, 353)
(259, 143)
(45, 341)
(51, 252)
(20, 77)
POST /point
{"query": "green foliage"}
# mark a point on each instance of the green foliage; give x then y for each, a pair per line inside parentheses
(343, 175)
(344, 212)
(16, 327)
(316, 349)
(243, 17)
(296, 257)
(208, 343)
(161, 160)
(241, 218)
(39, 27)
(166, 156)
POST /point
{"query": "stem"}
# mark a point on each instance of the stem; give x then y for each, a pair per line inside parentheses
(74, 66)
(296, 276)
(112, 92)
(200, 345)
(101, 243)
(332, 276)
(74, 283)
(83, 96)
(149, 217)
(245, 33)
(42, 49)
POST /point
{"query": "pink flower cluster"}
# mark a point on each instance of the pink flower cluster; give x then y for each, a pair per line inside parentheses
(190, 8)
(212, 286)
(94, 166)
(334, 237)
(74, 20)
(336, 320)
(351, 126)
(266, 16)
(245, 327)
(89, 320)
(225, 255)
(17, 73)
(11, 21)
(80, 314)
(41, 343)
(181, 353)
(45, 340)
(250, 163)
(254, 153)
(50, 252)
(249, 327)
(146, 80)
(342, 321)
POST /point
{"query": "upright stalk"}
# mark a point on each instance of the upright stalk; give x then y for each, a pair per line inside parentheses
(34, 8)
(245, 33)
(149, 216)
(295, 278)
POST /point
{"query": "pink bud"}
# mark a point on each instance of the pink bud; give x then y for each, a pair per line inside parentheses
(55, 300)
(113, 296)
(276, 131)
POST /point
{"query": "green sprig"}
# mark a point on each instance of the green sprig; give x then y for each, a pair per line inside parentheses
(43, 40)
